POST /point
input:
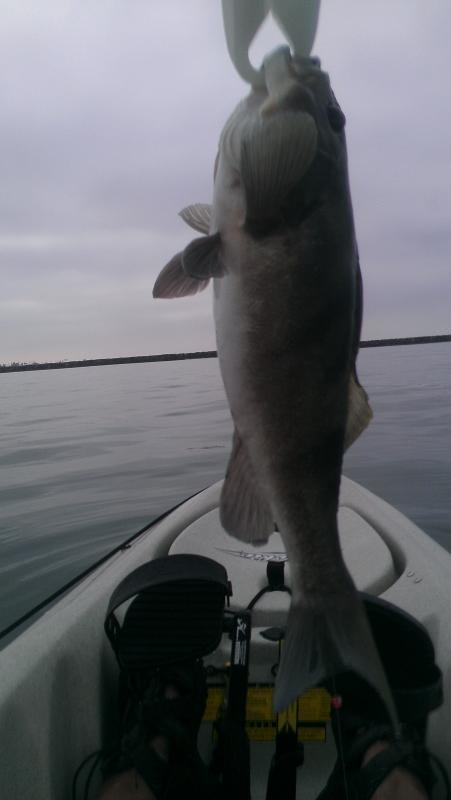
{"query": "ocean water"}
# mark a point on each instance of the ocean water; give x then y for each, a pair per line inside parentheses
(89, 456)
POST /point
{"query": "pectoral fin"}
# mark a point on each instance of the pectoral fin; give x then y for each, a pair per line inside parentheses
(174, 282)
(276, 152)
(244, 511)
(197, 216)
(202, 258)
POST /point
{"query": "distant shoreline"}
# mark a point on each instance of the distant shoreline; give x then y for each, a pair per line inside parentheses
(100, 362)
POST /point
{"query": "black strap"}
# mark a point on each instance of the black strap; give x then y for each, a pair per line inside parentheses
(161, 570)
(180, 777)
(176, 612)
(362, 782)
(153, 770)
(231, 757)
(398, 753)
(276, 582)
(374, 733)
(288, 757)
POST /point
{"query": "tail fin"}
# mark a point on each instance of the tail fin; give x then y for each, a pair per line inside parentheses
(327, 635)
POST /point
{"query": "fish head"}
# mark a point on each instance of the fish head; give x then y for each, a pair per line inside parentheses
(311, 92)
(280, 150)
(281, 156)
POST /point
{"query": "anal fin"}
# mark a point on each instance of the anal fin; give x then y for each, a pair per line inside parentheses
(359, 411)
(244, 511)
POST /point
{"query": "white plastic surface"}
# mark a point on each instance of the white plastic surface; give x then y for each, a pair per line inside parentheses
(58, 679)
(297, 19)
(367, 557)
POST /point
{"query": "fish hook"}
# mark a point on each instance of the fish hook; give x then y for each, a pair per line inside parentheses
(297, 19)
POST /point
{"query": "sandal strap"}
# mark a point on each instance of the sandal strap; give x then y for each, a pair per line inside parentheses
(399, 753)
(177, 718)
(167, 781)
(363, 781)
(151, 713)
(165, 778)
(364, 739)
(153, 770)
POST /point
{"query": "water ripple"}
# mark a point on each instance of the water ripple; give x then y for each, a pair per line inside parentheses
(88, 457)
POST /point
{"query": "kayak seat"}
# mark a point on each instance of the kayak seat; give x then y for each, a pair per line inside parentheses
(176, 612)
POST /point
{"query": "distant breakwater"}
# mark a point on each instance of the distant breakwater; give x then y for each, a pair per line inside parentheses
(100, 362)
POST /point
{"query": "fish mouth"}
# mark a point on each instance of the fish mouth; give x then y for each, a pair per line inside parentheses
(292, 83)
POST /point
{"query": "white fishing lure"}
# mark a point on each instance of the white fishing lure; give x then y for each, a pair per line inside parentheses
(297, 20)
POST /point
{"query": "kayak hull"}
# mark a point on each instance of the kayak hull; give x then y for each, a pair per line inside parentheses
(59, 676)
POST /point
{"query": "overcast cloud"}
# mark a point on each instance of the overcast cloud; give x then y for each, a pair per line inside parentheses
(110, 114)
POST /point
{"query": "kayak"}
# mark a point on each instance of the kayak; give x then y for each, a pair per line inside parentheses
(58, 689)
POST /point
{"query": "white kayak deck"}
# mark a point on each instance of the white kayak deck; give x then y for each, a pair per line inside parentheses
(58, 678)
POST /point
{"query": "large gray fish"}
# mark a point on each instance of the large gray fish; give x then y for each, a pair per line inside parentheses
(280, 245)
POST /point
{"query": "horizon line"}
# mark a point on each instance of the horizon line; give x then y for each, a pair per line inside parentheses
(16, 366)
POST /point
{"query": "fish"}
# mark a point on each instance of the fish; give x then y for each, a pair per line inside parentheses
(279, 243)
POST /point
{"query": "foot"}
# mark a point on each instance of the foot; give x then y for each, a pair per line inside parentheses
(158, 755)
(400, 784)
(129, 785)
(374, 763)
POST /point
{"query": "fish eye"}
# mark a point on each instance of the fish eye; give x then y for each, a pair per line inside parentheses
(337, 119)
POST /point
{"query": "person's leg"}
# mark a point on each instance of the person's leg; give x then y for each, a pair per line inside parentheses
(129, 785)
(126, 786)
(161, 756)
(400, 785)
(372, 761)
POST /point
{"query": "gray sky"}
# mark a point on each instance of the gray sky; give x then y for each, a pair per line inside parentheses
(110, 113)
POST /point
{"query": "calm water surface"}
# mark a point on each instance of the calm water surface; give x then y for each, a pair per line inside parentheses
(89, 456)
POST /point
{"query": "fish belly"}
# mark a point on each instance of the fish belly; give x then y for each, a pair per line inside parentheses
(285, 361)
(287, 387)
